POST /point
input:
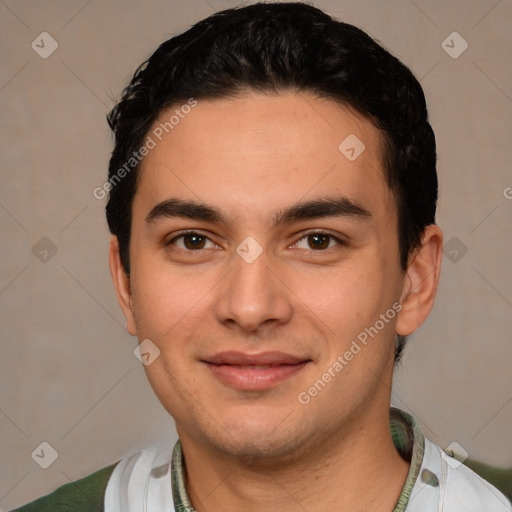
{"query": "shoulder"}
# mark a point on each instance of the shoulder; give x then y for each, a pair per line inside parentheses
(501, 478)
(141, 478)
(85, 495)
(464, 487)
(445, 483)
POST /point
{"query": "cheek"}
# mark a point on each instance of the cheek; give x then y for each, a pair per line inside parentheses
(166, 300)
(340, 300)
(349, 299)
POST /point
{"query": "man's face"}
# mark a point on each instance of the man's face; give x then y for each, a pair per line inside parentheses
(274, 253)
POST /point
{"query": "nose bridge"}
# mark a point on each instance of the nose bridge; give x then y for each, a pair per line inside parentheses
(251, 293)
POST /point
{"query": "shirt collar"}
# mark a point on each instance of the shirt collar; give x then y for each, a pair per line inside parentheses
(410, 444)
(407, 438)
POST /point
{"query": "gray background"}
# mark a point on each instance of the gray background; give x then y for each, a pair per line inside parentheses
(68, 374)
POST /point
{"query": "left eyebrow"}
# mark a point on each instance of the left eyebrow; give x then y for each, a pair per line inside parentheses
(321, 208)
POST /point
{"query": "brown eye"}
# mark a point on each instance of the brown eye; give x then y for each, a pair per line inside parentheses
(318, 241)
(194, 241)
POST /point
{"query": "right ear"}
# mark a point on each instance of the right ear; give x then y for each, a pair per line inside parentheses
(122, 285)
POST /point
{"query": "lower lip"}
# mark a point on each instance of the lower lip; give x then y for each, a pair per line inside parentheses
(252, 379)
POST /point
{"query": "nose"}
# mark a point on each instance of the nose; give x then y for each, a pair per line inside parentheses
(252, 297)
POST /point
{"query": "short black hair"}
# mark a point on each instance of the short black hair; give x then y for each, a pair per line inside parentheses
(271, 48)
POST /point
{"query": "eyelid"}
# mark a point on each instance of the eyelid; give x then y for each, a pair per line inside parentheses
(185, 232)
(339, 239)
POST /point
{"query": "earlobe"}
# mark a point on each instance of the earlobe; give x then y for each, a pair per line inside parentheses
(121, 285)
(421, 281)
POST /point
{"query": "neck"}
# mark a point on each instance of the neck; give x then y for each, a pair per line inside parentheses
(357, 469)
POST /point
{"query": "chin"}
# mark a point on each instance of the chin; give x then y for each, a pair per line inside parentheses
(258, 444)
(262, 454)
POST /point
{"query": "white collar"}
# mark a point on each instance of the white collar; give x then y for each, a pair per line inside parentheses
(142, 483)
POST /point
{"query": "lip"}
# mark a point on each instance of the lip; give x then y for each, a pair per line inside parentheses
(254, 372)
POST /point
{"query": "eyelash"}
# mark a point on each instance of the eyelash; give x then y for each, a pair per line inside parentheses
(183, 234)
(338, 241)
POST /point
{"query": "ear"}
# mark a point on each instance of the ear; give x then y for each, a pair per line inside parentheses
(122, 285)
(421, 281)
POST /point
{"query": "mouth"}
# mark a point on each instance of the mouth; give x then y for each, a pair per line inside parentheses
(254, 372)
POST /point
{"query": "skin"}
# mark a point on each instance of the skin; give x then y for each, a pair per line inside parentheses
(252, 157)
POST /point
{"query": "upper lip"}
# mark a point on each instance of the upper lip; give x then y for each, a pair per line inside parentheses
(260, 359)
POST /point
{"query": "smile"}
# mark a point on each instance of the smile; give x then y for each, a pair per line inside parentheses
(254, 372)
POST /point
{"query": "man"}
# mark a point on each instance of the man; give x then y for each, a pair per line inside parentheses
(272, 207)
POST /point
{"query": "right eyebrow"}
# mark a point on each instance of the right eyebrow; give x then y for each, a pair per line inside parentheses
(171, 208)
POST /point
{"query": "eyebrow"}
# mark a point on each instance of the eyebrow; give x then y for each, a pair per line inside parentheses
(171, 208)
(321, 208)
(314, 209)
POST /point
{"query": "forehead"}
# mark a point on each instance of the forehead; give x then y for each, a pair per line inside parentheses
(250, 154)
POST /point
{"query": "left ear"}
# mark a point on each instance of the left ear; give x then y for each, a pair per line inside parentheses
(421, 281)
